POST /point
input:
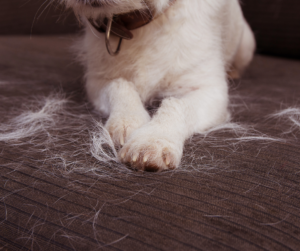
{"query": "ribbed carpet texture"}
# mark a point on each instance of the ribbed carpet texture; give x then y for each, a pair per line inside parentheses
(62, 188)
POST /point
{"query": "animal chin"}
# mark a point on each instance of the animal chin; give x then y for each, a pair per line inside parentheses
(99, 9)
(96, 3)
(92, 9)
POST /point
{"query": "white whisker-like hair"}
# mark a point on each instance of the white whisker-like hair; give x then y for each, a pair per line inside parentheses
(72, 136)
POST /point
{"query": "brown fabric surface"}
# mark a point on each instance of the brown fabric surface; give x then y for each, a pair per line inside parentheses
(276, 25)
(239, 197)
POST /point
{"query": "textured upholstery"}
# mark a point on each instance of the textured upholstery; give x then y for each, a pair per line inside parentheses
(227, 196)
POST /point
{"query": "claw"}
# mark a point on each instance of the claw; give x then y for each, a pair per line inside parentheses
(122, 141)
(168, 159)
(135, 157)
(146, 157)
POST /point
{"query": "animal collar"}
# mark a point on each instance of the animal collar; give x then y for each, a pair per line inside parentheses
(121, 24)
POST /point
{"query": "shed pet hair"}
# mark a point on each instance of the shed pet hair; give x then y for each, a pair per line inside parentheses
(289, 116)
(67, 133)
(60, 139)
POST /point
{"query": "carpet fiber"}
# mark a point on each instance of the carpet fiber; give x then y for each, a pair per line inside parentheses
(237, 187)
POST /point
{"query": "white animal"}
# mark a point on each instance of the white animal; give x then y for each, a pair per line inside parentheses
(182, 57)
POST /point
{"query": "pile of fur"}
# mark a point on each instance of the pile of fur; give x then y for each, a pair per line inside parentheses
(67, 139)
(71, 136)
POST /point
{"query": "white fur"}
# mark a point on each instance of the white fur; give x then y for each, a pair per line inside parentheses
(182, 57)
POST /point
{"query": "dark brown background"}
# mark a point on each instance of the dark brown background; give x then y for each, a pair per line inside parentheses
(276, 23)
(25, 17)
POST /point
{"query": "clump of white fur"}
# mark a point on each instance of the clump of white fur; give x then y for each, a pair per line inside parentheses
(41, 116)
(102, 145)
(74, 139)
(290, 116)
(61, 131)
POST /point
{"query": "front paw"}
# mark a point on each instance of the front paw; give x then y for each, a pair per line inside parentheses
(121, 127)
(150, 152)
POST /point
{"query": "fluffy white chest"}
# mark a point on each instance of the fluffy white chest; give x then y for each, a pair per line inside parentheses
(186, 37)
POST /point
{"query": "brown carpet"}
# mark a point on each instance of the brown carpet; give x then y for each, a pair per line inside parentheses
(232, 192)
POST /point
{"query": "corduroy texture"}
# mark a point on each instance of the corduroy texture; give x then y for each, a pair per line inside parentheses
(244, 196)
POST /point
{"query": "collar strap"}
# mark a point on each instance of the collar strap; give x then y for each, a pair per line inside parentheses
(121, 24)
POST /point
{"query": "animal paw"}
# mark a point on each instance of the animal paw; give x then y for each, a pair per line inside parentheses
(151, 153)
(120, 128)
